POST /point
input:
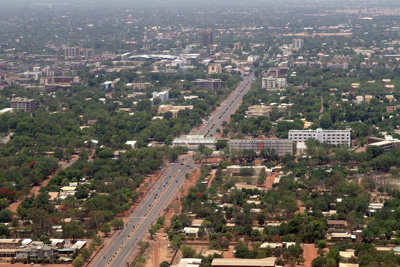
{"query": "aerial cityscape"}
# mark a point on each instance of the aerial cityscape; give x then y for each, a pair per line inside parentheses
(186, 133)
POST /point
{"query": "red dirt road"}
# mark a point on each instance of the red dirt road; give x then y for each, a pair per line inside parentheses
(310, 253)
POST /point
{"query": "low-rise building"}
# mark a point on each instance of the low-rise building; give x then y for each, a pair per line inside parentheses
(10, 243)
(188, 262)
(139, 85)
(173, 109)
(193, 141)
(258, 110)
(266, 262)
(390, 109)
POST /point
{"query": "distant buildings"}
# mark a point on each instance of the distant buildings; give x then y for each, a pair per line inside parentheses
(334, 137)
(281, 146)
(237, 46)
(77, 52)
(279, 72)
(214, 68)
(386, 144)
(163, 96)
(139, 85)
(206, 38)
(212, 84)
(343, 66)
(273, 83)
(390, 109)
(23, 104)
(173, 109)
(258, 110)
(297, 43)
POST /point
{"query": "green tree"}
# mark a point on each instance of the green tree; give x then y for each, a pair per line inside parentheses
(78, 262)
(188, 251)
(105, 228)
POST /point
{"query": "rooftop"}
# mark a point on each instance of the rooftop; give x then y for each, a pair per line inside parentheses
(244, 262)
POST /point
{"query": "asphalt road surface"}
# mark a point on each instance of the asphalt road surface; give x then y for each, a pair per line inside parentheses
(124, 243)
(226, 109)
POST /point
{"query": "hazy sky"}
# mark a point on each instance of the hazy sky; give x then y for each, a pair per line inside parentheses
(341, 3)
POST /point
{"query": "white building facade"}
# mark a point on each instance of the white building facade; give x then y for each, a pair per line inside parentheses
(273, 83)
(334, 137)
(163, 96)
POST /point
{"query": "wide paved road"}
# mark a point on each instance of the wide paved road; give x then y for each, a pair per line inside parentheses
(226, 109)
(122, 246)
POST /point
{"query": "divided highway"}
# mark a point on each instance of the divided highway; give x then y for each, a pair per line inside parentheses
(227, 108)
(124, 243)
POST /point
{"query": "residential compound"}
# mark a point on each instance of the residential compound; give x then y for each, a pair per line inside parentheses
(334, 137)
(281, 146)
(23, 104)
(273, 83)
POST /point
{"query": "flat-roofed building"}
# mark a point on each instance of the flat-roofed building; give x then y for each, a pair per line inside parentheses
(193, 141)
(173, 109)
(10, 243)
(266, 262)
(212, 84)
(188, 262)
(163, 96)
(23, 104)
(334, 137)
(214, 68)
(139, 85)
(386, 144)
(348, 265)
(281, 146)
(337, 224)
(258, 110)
(273, 83)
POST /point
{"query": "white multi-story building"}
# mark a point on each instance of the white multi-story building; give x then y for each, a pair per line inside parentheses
(163, 96)
(273, 83)
(334, 137)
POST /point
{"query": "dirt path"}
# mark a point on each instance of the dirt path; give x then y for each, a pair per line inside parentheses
(300, 204)
(310, 253)
(35, 190)
(156, 255)
(269, 181)
(322, 108)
